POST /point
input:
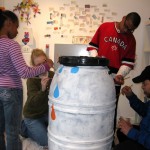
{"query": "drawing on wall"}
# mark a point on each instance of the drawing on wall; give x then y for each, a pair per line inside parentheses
(25, 8)
(25, 36)
(25, 39)
(81, 39)
(71, 18)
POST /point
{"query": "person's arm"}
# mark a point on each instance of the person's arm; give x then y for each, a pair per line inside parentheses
(93, 45)
(20, 65)
(139, 106)
(135, 102)
(123, 71)
(127, 63)
(141, 136)
(93, 53)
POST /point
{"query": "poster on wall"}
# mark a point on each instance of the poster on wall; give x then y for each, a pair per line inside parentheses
(25, 36)
(70, 21)
(79, 20)
(25, 39)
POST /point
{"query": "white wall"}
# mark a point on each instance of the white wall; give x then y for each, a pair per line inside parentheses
(120, 7)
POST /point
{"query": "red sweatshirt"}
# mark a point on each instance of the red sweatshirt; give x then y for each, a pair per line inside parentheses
(119, 48)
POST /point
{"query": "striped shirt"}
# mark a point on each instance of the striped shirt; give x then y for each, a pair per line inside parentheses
(13, 66)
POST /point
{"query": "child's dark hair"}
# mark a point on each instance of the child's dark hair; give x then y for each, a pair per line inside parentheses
(135, 17)
(7, 14)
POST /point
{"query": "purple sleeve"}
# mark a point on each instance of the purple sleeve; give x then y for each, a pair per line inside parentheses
(20, 65)
(46, 66)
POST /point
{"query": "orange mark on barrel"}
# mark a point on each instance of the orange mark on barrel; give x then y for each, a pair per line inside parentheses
(53, 115)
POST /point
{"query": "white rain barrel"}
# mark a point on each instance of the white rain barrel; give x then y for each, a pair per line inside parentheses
(81, 105)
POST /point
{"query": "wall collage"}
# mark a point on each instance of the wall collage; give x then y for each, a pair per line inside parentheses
(68, 20)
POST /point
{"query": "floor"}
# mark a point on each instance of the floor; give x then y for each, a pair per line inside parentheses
(28, 144)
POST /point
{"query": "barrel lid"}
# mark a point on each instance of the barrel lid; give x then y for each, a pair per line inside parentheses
(83, 61)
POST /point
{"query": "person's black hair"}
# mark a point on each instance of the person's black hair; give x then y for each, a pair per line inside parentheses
(135, 17)
(7, 14)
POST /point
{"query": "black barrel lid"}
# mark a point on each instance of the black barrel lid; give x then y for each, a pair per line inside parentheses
(83, 61)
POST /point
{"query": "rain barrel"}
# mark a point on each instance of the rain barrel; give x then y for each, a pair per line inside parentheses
(81, 105)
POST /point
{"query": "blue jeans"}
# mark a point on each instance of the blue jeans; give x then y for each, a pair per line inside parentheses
(11, 101)
(36, 129)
